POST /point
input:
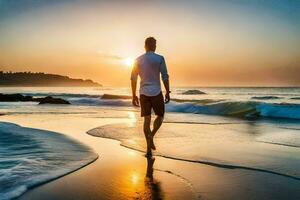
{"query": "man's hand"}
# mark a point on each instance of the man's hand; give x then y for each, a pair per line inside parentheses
(135, 101)
(167, 97)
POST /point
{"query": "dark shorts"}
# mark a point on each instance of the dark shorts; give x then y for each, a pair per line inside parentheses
(152, 102)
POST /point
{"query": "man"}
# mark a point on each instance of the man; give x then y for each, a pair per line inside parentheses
(149, 66)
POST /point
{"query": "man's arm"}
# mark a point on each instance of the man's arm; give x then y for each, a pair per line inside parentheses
(167, 86)
(165, 78)
(135, 99)
(133, 87)
(134, 75)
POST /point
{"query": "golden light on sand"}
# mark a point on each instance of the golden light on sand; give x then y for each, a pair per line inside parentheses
(132, 153)
(131, 141)
(131, 115)
(135, 178)
(129, 62)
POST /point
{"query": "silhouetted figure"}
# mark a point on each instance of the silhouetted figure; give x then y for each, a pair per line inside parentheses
(149, 67)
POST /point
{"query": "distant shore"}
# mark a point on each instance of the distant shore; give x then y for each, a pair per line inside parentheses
(30, 79)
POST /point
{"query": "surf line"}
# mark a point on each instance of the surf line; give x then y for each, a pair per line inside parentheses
(228, 166)
(181, 178)
(213, 164)
(277, 143)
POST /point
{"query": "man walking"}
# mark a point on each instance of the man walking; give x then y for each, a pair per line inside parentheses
(149, 66)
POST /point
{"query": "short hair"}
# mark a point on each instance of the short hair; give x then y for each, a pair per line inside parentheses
(150, 43)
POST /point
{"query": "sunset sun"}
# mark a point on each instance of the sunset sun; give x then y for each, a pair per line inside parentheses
(128, 62)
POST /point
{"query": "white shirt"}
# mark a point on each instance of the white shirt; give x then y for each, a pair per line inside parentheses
(149, 66)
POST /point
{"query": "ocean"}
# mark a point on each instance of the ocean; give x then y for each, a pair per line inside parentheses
(258, 129)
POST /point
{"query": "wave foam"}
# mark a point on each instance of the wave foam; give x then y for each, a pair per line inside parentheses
(239, 109)
(28, 158)
(243, 109)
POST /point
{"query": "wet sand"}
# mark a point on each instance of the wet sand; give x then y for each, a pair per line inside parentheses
(122, 173)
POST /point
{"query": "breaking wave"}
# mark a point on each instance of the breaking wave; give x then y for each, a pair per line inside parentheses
(239, 109)
(28, 159)
(243, 109)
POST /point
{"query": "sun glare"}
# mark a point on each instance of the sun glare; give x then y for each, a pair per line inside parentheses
(128, 62)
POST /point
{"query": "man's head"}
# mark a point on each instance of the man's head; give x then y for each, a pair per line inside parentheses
(150, 44)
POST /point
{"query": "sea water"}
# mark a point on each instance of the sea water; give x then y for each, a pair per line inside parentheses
(29, 157)
(255, 129)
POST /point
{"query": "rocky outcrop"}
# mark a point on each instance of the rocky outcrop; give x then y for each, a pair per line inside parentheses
(193, 92)
(23, 98)
(14, 98)
(51, 100)
(266, 97)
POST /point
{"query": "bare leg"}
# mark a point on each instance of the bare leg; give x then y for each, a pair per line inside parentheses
(156, 125)
(147, 132)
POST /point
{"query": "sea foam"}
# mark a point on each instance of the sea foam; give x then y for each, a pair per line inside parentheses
(30, 157)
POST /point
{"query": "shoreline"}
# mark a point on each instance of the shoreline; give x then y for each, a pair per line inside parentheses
(121, 173)
(48, 192)
(27, 174)
(212, 164)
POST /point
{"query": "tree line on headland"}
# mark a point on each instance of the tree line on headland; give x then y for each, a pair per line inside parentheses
(42, 80)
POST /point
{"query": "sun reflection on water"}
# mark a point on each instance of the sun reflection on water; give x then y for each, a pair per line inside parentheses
(138, 181)
(135, 178)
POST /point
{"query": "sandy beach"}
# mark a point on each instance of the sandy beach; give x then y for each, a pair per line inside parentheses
(122, 173)
(149, 100)
(119, 173)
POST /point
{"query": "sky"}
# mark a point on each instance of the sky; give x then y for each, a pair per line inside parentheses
(204, 42)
